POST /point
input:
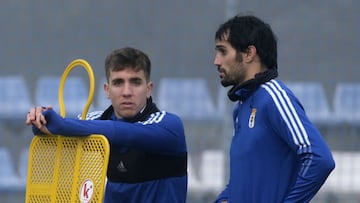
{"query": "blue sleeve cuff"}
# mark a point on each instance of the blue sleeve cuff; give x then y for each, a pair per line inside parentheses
(36, 130)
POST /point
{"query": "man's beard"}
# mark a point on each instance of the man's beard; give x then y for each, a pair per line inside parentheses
(233, 78)
(225, 83)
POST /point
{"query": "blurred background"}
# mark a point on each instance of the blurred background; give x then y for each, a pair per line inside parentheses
(317, 57)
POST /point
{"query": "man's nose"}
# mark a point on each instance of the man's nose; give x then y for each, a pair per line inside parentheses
(217, 61)
(127, 91)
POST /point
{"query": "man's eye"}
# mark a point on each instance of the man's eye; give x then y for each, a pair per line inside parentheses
(137, 82)
(221, 51)
(116, 82)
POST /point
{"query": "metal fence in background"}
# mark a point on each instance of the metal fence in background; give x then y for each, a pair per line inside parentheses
(317, 56)
(208, 128)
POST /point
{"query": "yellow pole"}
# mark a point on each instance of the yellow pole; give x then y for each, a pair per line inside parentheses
(72, 65)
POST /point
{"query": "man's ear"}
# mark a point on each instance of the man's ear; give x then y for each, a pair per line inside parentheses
(250, 53)
(106, 90)
(150, 87)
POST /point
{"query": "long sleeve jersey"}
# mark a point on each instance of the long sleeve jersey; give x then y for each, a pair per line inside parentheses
(276, 154)
(162, 133)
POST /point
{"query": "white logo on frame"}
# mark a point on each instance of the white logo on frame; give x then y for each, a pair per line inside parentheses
(86, 191)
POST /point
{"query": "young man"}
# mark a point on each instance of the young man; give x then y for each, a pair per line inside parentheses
(276, 155)
(148, 155)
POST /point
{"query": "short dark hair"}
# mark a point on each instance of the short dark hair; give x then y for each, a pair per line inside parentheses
(127, 57)
(243, 31)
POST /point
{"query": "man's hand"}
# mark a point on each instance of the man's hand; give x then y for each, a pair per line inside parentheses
(36, 118)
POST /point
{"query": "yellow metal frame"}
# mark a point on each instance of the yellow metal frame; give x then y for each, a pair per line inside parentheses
(68, 169)
(71, 66)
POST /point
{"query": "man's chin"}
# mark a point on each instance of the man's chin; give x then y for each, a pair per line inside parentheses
(127, 114)
(225, 84)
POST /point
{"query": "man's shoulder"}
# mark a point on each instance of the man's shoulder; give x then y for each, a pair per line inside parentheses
(167, 113)
(274, 92)
(160, 116)
(94, 115)
(274, 88)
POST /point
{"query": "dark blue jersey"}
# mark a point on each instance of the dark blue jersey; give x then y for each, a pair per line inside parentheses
(162, 133)
(276, 155)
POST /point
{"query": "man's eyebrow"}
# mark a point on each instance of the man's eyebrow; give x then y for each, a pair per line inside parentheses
(135, 78)
(117, 80)
(219, 46)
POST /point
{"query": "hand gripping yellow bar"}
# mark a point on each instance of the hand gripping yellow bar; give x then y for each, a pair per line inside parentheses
(68, 169)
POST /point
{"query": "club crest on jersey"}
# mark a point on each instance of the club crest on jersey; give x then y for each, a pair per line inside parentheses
(252, 118)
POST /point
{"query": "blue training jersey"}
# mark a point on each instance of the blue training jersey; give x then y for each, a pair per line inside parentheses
(276, 154)
(161, 133)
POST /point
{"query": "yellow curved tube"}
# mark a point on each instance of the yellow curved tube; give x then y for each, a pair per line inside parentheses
(87, 67)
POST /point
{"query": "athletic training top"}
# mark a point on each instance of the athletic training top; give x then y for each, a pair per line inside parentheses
(276, 154)
(161, 133)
